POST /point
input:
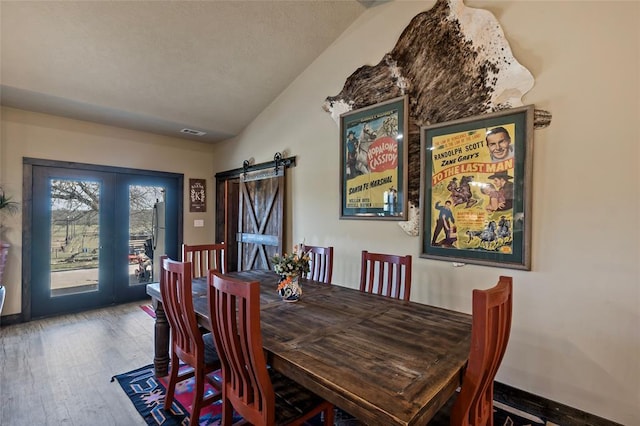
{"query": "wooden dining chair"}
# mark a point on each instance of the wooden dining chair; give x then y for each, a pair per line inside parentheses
(204, 257)
(259, 394)
(187, 343)
(321, 263)
(490, 329)
(386, 275)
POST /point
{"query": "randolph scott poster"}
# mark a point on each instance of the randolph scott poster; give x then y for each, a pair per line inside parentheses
(475, 190)
(374, 162)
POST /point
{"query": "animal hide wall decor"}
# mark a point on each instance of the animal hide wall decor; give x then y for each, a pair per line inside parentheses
(454, 62)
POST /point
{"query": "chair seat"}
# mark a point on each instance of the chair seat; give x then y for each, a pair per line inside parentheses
(292, 400)
(210, 352)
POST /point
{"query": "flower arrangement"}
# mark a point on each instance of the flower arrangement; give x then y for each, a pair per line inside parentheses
(290, 267)
(292, 264)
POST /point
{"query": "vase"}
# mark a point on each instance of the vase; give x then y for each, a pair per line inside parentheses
(289, 288)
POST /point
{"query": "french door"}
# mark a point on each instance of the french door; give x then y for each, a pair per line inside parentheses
(97, 233)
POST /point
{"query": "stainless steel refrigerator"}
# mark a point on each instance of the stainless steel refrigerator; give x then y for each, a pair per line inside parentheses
(158, 237)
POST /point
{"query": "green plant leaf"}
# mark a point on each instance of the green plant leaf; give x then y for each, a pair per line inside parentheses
(7, 203)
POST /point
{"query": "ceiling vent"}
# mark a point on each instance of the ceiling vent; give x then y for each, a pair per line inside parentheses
(193, 132)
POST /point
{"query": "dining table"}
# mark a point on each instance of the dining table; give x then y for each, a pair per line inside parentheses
(383, 360)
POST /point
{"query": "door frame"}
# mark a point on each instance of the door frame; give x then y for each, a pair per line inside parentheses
(27, 211)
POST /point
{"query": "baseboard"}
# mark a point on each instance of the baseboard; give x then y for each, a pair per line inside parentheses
(11, 319)
(550, 410)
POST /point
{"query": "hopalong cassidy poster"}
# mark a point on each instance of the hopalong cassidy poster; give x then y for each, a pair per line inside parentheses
(372, 165)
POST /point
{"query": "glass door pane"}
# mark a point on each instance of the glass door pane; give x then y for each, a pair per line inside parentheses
(146, 233)
(75, 236)
(71, 240)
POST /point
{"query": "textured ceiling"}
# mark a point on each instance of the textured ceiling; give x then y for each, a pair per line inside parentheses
(161, 66)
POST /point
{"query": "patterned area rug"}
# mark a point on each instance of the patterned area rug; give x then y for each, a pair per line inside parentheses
(147, 395)
(149, 310)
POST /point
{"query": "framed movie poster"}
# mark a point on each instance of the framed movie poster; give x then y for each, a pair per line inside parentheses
(476, 189)
(197, 195)
(373, 162)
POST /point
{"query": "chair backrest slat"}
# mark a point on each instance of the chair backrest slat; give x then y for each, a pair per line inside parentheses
(204, 257)
(321, 263)
(491, 326)
(386, 275)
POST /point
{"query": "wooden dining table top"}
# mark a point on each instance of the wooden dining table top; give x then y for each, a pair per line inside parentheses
(385, 361)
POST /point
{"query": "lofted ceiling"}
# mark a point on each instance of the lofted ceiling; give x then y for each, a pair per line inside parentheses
(162, 66)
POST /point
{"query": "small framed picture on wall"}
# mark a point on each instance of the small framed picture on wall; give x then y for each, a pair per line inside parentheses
(197, 195)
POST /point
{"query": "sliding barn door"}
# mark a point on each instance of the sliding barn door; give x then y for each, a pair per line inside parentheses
(260, 218)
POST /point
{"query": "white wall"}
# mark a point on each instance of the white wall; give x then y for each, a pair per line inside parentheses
(575, 336)
(29, 134)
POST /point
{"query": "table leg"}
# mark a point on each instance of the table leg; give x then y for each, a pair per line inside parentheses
(161, 358)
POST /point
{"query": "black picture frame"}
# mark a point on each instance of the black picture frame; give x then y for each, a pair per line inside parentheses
(374, 161)
(476, 177)
(197, 195)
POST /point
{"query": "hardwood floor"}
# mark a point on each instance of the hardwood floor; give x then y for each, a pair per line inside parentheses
(57, 371)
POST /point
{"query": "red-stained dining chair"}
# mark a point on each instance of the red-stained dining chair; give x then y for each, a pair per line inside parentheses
(386, 275)
(187, 343)
(321, 263)
(204, 257)
(490, 329)
(259, 394)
